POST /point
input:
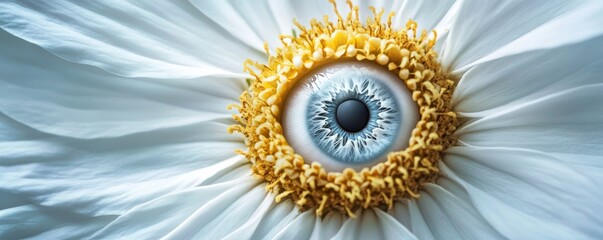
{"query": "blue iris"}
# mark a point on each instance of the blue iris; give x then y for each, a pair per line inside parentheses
(375, 139)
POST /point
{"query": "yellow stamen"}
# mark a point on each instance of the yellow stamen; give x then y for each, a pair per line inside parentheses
(309, 185)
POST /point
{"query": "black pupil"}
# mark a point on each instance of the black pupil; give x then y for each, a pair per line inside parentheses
(352, 115)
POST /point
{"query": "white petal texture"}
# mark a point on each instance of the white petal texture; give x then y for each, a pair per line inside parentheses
(84, 102)
(84, 143)
(113, 122)
(507, 82)
(165, 39)
(482, 28)
(448, 214)
(525, 193)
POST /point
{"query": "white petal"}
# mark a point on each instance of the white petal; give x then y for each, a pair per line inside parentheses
(391, 228)
(178, 211)
(327, 227)
(588, 165)
(451, 217)
(437, 221)
(31, 222)
(257, 22)
(300, 228)
(527, 194)
(480, 27)
(427, 13)
(580, 24)
(62, 98)
(250, 22)
(164, 39)
(418, 222)
(565, 122)
(368, 224)
(279, 215)
(11, 130)
(305, 11)
(505, 82)
(226, 219)
(143, 160)
(225, 170)
(19, 221)
(401, 212)
(98, 178)
(364, 226)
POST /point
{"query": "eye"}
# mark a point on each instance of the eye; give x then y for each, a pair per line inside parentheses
(349, 115)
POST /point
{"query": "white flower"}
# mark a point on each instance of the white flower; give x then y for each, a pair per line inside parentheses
(113, 122)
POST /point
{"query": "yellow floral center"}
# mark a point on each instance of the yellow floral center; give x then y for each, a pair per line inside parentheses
(407, 54)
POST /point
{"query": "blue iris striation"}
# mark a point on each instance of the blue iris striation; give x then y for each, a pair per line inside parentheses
(353, 147)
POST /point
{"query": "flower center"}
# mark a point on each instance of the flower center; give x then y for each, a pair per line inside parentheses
(309, 185)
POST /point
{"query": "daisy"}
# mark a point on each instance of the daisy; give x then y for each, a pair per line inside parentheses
(485, 125)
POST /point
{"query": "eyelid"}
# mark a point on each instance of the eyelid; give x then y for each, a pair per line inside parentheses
(294, 115)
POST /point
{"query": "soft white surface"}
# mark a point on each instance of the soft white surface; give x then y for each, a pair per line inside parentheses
(482, 27)
(175, 213)
(163, 39)
(527, 193)
(570, 121)
(62, 98)
(449, 216)
(507, 82)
